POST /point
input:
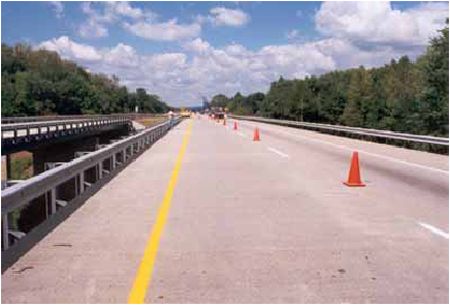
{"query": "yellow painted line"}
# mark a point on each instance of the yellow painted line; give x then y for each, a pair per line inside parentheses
(144, 273)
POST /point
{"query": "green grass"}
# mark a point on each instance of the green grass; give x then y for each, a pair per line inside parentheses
(21, 167)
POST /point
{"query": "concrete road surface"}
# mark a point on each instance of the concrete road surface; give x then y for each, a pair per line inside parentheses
(253, 222)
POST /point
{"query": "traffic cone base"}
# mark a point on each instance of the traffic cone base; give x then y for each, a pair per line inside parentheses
(256, 135)
(354, 184)
(354, 177)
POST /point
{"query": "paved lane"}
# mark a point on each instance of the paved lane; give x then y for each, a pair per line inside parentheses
(92, 257)
(261, 222)
(416, 181)
(249, 224)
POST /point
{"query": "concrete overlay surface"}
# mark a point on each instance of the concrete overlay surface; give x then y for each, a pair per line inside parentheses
(254, 222)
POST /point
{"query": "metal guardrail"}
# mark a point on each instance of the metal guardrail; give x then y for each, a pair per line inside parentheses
(83, 176)
(352, 130)
(132, 116)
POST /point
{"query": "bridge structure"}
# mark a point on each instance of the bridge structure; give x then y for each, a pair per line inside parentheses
(28, 135)
(203, 213)
(57, 138)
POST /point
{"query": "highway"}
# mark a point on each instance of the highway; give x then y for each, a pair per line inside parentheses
(207, 215)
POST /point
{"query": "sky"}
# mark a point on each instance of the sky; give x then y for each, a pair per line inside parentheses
(182, 51)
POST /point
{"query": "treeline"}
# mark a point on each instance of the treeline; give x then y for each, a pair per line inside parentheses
(39, 82)
(402, 96)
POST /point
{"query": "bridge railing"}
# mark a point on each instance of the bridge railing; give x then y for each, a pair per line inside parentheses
(352, 130)
(23, 135)
(64, 188)
(132, 116)
(11, 130)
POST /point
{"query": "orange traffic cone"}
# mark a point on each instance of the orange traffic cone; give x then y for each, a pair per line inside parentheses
(224, 121)
(235, 126)
(354, 178)
(256, 135)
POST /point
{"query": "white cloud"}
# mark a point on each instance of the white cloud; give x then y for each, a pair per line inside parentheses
(200, 69)
(124, 9)
(96, 24)
(166, 60)
(122, 56)
(235, 49)
(345, 54)
(142, 23)
(72, 50)
(145, 24)
(92, 29)
(181, 79)
(197, 45)
(379, 23)
(165, 31)
(292, 34)
(58, 8)
(228, 17)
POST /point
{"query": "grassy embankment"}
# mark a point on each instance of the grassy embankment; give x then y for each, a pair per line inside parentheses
(152, 121)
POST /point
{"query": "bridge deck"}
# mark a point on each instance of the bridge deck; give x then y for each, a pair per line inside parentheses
(253, 222)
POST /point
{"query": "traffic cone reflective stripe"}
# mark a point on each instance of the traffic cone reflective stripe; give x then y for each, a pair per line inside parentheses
(354, 177)
(256, 135)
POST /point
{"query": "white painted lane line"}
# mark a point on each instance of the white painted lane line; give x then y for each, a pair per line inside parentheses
(434, 230)
(241, 134)
(404, 162)
(278, 152)
(343, 147)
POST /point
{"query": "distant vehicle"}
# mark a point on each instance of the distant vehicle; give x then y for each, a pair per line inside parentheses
(184, 113)
(218, 113)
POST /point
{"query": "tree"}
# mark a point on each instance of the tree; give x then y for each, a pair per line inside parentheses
(357, 96)
(219, 101)
(434, 96)
(39, 82)
(401, 96)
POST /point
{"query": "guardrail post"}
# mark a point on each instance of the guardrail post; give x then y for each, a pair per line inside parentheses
(81, 176)
(8, 166)
(113, 161)
(100, 170)
(51, 201)
(5, 230)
